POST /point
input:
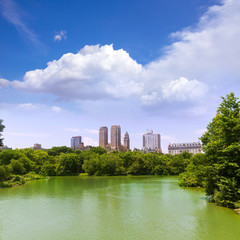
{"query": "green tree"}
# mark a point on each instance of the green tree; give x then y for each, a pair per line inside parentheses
(54, 151)
(7, 155)
(3, 173)
(221, 143)
(1, 130)
(98, 150)
(69, 164)
(196, 171)
(17, 167)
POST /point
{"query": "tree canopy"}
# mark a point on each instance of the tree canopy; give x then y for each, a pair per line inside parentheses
(221, 143)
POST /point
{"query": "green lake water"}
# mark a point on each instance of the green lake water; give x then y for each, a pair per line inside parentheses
(112, 208)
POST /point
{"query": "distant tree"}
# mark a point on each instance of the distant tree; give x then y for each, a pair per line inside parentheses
(54, 151)
(98, 150)
(1, 130)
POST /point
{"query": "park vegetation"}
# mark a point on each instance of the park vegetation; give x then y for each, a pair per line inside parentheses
(20, 165)
(217, 170)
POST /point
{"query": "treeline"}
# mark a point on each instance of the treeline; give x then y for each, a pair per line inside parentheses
(218, 171)
(18, 165)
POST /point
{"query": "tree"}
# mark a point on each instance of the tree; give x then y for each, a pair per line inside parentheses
(1, 130)
(17, 167)
(69, 164)
(55, 151)
(221, 143)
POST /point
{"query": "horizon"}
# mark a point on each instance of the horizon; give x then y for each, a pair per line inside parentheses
(160, 65)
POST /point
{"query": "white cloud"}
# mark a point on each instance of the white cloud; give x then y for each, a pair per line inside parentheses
(27, 106)
(13, 14)
(202, 60)
(93, 73)
(89, 142)
(60, 36)
(4, 83)
(56, 109)
(183, 89)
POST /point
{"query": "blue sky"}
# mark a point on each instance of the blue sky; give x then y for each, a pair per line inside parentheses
(69, 67)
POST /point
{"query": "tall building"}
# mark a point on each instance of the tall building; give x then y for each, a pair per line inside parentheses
(115, 137)
(151, 141)
(76, 142)
(126, 141)
(37, 146)
(177, 148)
(103, 137)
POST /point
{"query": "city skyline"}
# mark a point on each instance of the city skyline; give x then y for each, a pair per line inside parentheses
(162, 65)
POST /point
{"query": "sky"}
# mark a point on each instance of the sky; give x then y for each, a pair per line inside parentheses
(69, 67)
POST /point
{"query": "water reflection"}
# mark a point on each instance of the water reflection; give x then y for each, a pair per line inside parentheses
(112, 208)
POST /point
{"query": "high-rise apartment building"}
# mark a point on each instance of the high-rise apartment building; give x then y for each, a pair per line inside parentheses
(37, 146)
(115, 137)
(126, 141)
(151, 141)
(103, 137)
(76, 142)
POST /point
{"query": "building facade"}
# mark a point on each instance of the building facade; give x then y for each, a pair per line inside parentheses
(103, 137)
(151, 141)
(192, 147)
(126, 141)
(115, 137)
(76, 142)
(37, 146)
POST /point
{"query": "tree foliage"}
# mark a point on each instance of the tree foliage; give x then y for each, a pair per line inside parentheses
(219, 170)
(222, 147)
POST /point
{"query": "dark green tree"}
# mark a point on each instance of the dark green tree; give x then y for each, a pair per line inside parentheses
(1, 130)
(54, 151)
(221, 143)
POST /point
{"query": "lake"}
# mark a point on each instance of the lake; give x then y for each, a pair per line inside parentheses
(112, 208)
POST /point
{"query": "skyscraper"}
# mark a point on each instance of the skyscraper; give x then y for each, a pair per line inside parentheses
(103, 137)
(126, 141)
(115, 137)
(76, 142)
(151, 141)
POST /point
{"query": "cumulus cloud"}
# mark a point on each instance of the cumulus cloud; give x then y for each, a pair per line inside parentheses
(93, 73)
(56, 109)
(201, 59)
(183, 89)
(4, 83)
(13, 14)
(60, 36)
